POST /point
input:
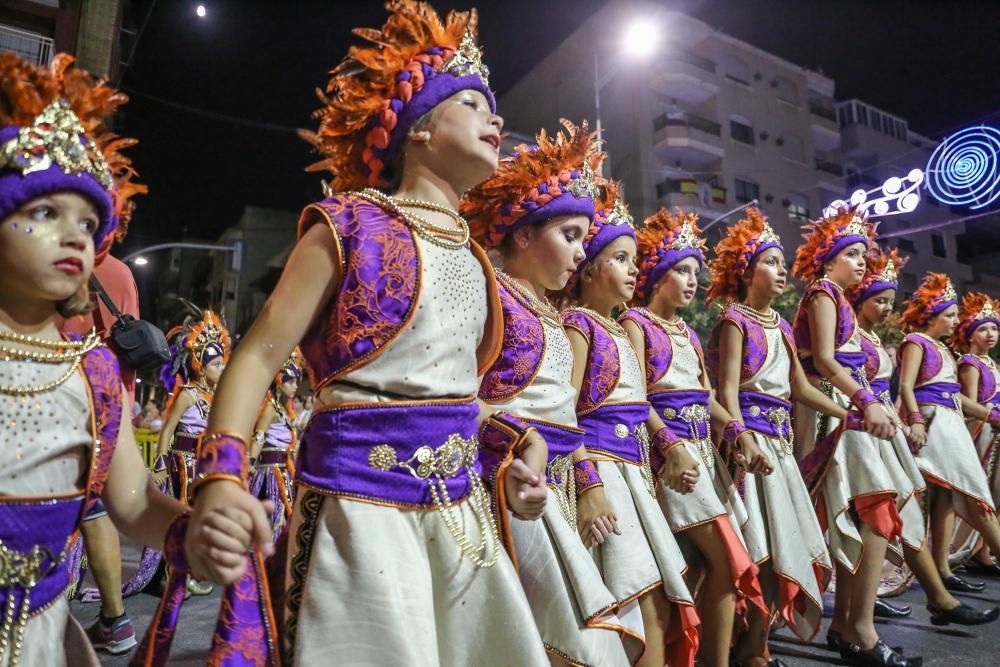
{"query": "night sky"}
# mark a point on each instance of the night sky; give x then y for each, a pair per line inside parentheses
(259, 62)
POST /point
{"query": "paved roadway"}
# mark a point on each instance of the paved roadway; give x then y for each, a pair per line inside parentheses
(953, 645)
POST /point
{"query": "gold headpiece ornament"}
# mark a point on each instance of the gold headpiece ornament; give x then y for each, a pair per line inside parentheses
(686, 238)
(586, 184)
(619, 215)
(856, 227)
(767, 236)
(889, 273)
(467, 60)
(56, 136)
(987, 311)
(949, 292)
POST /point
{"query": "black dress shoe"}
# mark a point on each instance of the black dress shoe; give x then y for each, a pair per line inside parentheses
(835, 641)
(884, 609)
(963, 614)
(957, 584)
(879, 655)
(977, 569)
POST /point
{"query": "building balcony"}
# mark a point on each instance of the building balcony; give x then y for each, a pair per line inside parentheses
(827, 164)
(686, 77)
(687, 193)
(36, 49)
(823, 109)
(688, 141)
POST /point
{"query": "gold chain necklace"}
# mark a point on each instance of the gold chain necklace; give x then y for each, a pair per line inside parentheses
(423, 228)
(75, 356)
(768, 319)
(16, 337)
(832, 284)
(675, 327)
(542, 306)
(613, 327)
(872, 336)
(986, 359)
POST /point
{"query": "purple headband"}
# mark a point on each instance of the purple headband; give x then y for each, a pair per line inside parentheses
(463, 70)
(211, 351)
(17, 188)
(667, 259)
(876, 288)
(610, 224)
(942, 306)
(979, 323)
(841, 243)
(565, 204)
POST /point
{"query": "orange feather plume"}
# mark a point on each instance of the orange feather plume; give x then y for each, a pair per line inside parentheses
(927, 295)
(877, 261)
(493, 206)
(820, 237)
(732, 255)
(971, 311)
(25, 91)
(363, 83)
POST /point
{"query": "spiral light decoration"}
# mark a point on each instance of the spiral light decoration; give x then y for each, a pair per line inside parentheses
(964, 169)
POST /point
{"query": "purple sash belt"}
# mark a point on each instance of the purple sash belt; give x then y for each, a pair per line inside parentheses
(562, 441)
(852, 361)
(684, 411)
(272, 456)
(612, 430)
(186, 443)
(392, 453)
(35, 535)
(945, 394)
(881, 389)
(766, 414)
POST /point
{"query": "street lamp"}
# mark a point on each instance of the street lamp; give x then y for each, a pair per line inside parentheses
(200, 11)
(640, 41)
(140, 261)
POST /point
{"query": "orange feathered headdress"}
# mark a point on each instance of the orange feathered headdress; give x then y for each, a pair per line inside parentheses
(934, 295)
(881, 274)
(382, 88)
(976, 310)
(664, 239)
(54, 135)
(735, 252)
(552, 178)
(827, 237)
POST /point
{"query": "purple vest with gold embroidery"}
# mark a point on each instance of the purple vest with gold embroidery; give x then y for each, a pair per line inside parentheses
(987, 391)
(521, 354)
(754, 344)
(380, 268)
(844, 331)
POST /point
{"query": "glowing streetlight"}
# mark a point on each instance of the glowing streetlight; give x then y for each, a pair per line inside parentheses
(200, 11)
(140, 261)
(640, 39)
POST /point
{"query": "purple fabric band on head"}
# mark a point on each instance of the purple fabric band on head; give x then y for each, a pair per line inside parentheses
(763, 247)
(17, 189)
(566, 204)
(602, 432)
(366, 452)
(842, 243)
(438, 86)
(979, 323)
(667, 260)
(27, 524)
(938, 308)
(605, 236)
(877, 287)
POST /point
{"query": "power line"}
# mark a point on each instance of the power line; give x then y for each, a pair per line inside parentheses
(214, 115)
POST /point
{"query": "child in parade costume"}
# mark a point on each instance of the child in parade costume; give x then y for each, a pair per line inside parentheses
(641, 563)
(536, 211)
(873, 301)
(392, 554)
(861, 479)
(935, 408)
(67, 439)
(757, 375)
(199, 350)
(274, 443)
(711, 517)
(976, 335)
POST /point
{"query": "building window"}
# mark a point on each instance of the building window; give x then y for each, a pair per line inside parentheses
(746, 191)
(798, 207)
(741, 129)
(736, 69)
(937, 245)
(785, 90)
(793, 148)
(908, 281)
